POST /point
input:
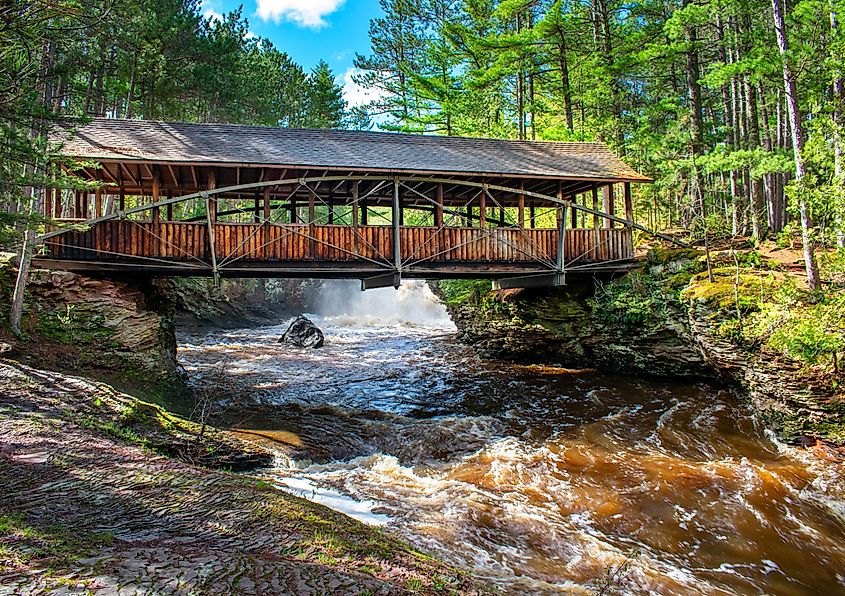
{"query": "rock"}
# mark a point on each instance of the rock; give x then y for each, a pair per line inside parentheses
(5, 348)
(303, 333)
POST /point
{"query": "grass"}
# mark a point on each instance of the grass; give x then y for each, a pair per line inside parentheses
(23, 543)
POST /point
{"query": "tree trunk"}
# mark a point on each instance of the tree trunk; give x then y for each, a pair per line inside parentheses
(16, 311)
(839, 123)
(791, 92)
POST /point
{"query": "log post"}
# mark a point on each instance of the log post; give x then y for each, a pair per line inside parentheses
(265, 232)
(312, 230)
(355, 195)
(169, 206)
(629, 216)
(438, 221)
(364, 214)
(520, 216)
(98, 202)
(256, 208)
(156, 218)
(397, 240)
(438, 210)
(58, 206)
(629, 203)
(212, 200)
(596, 223)
(482, 208)
(607, 204)
(331, 207)
(122, 200)
(561, 240)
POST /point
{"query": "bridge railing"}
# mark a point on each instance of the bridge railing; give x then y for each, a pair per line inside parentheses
(183, 241)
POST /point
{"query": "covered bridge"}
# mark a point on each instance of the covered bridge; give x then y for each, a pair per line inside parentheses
(247, 201)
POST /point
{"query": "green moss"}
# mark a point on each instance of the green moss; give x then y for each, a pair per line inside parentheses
(664, 256)
(24, 542)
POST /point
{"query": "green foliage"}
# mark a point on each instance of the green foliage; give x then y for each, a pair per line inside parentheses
(456, 292)
(636, 299)
(813, 333)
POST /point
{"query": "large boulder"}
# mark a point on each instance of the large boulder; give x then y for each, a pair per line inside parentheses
(303, 333)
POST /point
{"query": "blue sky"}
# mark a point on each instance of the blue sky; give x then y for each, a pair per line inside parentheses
(311, 30)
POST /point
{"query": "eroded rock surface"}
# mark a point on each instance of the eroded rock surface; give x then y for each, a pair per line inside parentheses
(84, 512)
(75, 321)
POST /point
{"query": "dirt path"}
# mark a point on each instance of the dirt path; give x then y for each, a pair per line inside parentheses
(84, 512)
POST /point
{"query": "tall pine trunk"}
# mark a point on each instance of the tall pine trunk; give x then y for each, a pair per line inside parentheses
(791, 91)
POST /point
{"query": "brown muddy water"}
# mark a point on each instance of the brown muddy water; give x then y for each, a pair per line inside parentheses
(539, 479)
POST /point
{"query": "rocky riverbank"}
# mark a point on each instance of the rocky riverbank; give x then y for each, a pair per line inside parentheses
(119, 330)
(88, 503)
(751, 327)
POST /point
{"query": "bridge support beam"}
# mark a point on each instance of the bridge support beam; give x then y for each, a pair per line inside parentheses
(549, 280)
(382, 281)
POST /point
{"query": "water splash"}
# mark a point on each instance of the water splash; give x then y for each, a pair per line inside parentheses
(343, 303)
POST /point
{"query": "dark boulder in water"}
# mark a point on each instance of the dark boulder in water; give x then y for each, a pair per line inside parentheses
(303, 333)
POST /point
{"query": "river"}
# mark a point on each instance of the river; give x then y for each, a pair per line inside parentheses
(539, 479)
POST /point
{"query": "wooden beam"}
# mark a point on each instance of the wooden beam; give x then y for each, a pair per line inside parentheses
(397, 240)
(355, 194)
(98, 202)
(438, 211)
(596, 218)
(156, 223)
(212, 200)
(265, 233)
(607, 204)
(482, 209)
(520, 216)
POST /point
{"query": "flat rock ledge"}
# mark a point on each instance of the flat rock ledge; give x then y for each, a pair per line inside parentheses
(84, 512)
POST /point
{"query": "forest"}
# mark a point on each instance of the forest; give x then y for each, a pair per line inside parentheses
(735, 108)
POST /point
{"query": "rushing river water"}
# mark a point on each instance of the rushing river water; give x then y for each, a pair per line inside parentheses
(540, 479)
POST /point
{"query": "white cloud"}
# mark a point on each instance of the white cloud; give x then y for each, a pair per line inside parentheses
(308, 13)
(212, 15)
(356, 94)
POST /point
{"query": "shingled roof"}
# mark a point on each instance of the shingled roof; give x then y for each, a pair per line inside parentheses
(226, 144)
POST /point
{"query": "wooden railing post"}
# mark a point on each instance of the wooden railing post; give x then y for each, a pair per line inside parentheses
(439, 224)
(629, 216)
(608, 204)
(355, 195)
(265, 232)
(397, 240)
(520, 216)
(211, 204)
(155, 229)
(312, 216)
(561, 241)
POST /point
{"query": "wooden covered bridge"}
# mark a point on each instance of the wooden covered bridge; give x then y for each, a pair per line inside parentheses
(243, 201)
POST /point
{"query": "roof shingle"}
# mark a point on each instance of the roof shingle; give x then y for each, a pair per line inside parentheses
(144, 140)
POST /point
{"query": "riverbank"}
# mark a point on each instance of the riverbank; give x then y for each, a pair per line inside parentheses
(90, 504)
(752, 326)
